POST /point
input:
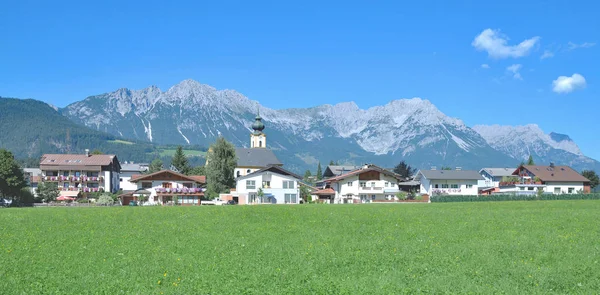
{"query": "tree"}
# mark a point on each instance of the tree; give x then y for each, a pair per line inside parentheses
(331, 163)
(307, 176)
(305, 193)
(180, 161)
(319, 172)
(47, 191)
(219, 170)
(446, 168)
(530, 160)
(97, 152)
(592, 176)
(11, 175)
(260, 195)
(404, 169)
(198, 170)
(155, 166)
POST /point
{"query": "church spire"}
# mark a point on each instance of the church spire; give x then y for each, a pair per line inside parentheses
(258, 125)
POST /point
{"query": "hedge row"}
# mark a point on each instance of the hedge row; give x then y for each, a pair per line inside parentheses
(511, 197)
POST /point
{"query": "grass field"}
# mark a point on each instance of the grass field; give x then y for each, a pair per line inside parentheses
(479, 248)
(189, 153)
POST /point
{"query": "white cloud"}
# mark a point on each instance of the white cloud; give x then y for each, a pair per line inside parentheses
(514, 69)
(547, 54)
(485, 66)
(572, 46)
(564, 84)
(496, 46)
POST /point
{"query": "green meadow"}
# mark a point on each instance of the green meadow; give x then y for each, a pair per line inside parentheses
(515, 247)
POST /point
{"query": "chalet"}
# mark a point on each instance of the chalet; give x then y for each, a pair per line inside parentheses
(552, 179)
(365, 184)
(167, 187)
(79, 174)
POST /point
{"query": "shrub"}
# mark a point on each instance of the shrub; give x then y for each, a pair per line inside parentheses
(105, 200)
(402, 196)
(512, 197)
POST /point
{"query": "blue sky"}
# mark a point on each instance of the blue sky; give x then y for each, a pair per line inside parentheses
(306, 53)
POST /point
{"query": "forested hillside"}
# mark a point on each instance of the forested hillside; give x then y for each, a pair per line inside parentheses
(30, 128)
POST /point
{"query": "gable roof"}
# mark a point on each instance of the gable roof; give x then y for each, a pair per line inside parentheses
(362, 170)
(77, 160)
(556, 173)
(450, 174)
(272, 168)
(195, 178)
(335, 170)
(498, 171)
(133, 167)
(256, 157)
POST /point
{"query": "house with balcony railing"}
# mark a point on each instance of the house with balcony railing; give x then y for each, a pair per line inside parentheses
(81, 174)
(365, 184)
(166, 187)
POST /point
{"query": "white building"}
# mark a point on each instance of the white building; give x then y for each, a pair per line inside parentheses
(278, 186)
(127, 171)
(166, 187)
(449, 182)
(365, 184)
(32, 177)
(76, 173)
(552, 179)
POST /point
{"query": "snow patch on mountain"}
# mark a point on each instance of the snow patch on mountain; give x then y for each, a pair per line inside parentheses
(521, 141)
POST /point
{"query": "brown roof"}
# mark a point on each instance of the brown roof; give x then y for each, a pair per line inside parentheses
(76, 160)
(362, 170)
(327, 191)
(556, 173)
(195, 178)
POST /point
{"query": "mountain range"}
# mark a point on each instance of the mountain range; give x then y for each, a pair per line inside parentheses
(406, 129)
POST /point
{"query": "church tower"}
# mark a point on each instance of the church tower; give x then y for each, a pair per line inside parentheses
(257, 138)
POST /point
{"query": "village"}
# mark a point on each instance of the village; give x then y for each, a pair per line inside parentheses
(260, 178)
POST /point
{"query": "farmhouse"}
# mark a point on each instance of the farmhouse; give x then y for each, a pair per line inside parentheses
(271, 185)
(552, 179)
(75, 174)
(365, 184)
(449, 182)
(167, 187)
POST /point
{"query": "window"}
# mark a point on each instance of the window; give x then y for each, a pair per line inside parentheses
(436, 185)
(266, 184)
(373, 184)
(469, 186)
(288, 184)
(66, 185)
(454, 185)
(187, 199)
(530, 188)
(557, 190)
(93, 184)
(146, 185)
(444, 185)
(167, 185)
(290, 198)
(187, 185)
(260, 143)
(363, 184)
(65, 173)
(77, 173)
(239, 174)
(373, 197)
(386, 184)
(250, 184)
(392, 184)
(571, 190)
(522, 188)
(92, 174)
(349, 183)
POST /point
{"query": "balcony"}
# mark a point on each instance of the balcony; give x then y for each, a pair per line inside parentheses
(179, 190)
(82, 189)
(72, 178)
